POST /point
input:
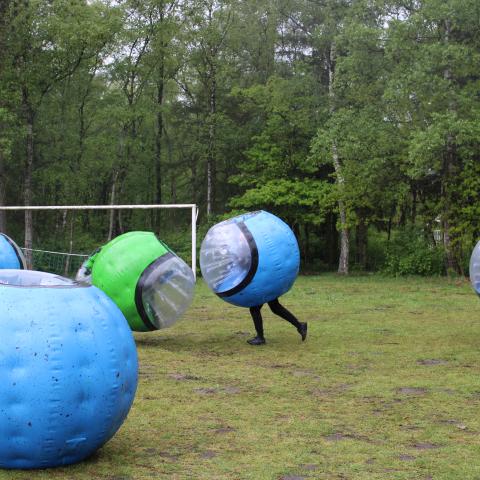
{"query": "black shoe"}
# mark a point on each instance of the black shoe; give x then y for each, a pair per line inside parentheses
(256, 341)
(302, 330)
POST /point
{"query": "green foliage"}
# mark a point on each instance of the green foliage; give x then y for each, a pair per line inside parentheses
(300, 108)
(410, 253)
(302, 201)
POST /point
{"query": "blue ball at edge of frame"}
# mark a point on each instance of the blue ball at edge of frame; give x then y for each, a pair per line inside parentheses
(68, 366)
(250, 259)
(10, 254)
(475, 269)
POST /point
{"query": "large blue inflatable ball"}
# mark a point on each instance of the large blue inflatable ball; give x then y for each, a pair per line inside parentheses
(475, 268)
(68, 367)
(250, 259)
(10, 254)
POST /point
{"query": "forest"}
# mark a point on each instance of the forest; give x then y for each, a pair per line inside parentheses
(355, 121)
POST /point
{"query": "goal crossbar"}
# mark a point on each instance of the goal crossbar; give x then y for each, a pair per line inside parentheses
(191, 206)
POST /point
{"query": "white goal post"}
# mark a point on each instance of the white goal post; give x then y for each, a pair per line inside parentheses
(189, 206)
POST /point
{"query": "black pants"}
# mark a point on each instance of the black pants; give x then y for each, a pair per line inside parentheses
(277, 309)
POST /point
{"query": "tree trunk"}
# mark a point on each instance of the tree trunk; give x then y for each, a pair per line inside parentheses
(344, 233)
(389, 227)
(414, 204)
(211, 160)
(70, 246)
(112, 202)
(159, 135)
(28, 194)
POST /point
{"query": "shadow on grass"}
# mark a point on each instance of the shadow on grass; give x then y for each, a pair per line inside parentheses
(221, 344)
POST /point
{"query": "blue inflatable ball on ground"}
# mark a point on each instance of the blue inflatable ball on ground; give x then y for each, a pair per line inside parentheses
(68, 366)
(250, 259)
(10, 254)
(475, 269)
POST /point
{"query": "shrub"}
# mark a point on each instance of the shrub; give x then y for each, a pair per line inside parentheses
(410, 253)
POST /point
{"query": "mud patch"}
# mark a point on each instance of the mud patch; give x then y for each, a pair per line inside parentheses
(336, 437)
(242, 334)
(182, 377)
(149, 452)
(282, 365)
(213, 391)
(306, 373)
(455, 423)
(334, 390)
(231, 390)
(339, 436)
(206, 391)
(425, 446)
(418, 391)
(207, 454)
(406, 458)
(154, 452)
(292, 477)
(429, 362)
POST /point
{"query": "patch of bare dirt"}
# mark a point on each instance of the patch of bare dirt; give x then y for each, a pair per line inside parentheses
(207, 454)
(223, 430)
(425, 446)
(406, 458)
(213, 391)
(412, 391)
(183, 377)
(429, 362)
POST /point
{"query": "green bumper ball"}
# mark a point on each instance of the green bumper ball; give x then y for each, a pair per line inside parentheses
(149, 283)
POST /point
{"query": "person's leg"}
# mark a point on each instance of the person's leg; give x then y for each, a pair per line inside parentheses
(282, 312)
(258, 322)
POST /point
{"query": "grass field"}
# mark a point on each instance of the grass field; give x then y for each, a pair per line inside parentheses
(387, 386)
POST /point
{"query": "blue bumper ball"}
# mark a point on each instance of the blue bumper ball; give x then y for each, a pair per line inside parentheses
(250, 259)
(475, 269)
(68, 365)
(10, 254)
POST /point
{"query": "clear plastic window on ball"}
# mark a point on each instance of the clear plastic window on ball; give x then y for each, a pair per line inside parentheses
(84, 274)
(166, 289)
(31, 278)
(225, 256)
(475, 268)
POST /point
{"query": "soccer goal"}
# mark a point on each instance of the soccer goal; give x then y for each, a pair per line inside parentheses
(61, 237)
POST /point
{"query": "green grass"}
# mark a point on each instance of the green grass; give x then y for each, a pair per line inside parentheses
(387, 386)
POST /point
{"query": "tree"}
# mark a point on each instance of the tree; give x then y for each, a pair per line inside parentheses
(436, 52)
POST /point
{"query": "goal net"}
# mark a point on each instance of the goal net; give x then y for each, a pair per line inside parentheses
(62, 237)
